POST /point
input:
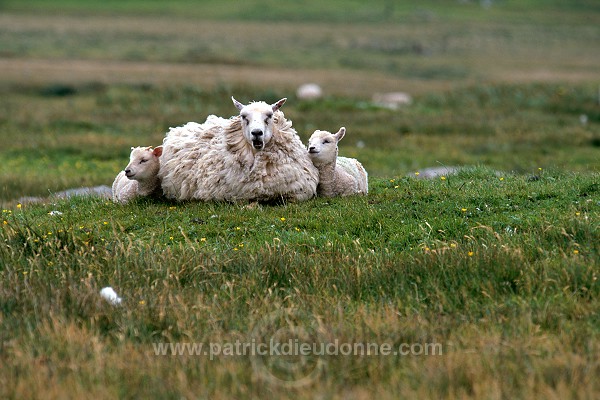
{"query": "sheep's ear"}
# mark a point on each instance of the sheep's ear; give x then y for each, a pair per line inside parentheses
(340, 134)
(237, 104)
(278, 105)
(158, 151)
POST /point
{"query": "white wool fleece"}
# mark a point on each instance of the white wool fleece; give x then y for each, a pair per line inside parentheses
(215, 161)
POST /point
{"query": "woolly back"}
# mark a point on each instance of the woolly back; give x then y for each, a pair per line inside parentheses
(234, 137)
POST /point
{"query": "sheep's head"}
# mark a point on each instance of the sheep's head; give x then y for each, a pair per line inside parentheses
(322, 146)
(143, 163)
(257, 121)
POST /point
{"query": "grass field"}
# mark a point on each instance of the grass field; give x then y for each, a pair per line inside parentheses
(482, 284)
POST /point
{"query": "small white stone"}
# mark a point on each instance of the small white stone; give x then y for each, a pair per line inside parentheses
(392, 100)
(110, 295)
(309, 91)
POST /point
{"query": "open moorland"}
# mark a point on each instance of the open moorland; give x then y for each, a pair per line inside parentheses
(477, 284)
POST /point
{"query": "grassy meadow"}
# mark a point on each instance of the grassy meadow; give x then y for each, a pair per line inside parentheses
(497, 266)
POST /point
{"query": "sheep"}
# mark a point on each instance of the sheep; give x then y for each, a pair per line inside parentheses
(338, 176)
(255, 156)
(140, 177)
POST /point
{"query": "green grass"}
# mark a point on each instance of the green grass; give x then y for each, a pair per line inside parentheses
(348, 11)
(55, 141)
(428, 41)
(501, 271)
(497, 264)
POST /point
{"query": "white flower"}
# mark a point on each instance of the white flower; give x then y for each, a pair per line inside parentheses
(55, 212)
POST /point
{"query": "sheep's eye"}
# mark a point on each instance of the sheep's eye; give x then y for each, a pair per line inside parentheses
(268, 118)
(326, 141)
(244, 118)
(143, 160)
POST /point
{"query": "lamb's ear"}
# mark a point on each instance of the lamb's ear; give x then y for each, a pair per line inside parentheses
(157, 151)
(237, 104)
(278, 105)
(340, 134)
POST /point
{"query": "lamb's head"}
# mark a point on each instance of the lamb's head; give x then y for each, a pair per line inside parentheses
(257, 121)
(143, 163)
(323, 146)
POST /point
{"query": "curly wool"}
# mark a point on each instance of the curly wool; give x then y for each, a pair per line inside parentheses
(358, 172)
(213, 161)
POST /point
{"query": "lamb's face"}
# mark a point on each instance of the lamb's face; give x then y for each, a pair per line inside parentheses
(323, 146)
(143, 163)
(257, 122)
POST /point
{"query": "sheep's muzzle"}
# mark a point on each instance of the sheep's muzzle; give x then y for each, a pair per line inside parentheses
(258, 144)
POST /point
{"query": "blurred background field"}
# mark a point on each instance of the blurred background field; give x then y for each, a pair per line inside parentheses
(513, 85)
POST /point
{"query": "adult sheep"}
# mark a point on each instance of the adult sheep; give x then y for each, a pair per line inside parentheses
(255, 156)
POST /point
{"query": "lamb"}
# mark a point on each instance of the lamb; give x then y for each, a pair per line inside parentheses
(255, 156)
(338, 176)
(140, 177)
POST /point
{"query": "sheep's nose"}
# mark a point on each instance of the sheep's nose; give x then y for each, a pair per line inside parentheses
(311, 148)
(256, 132)
(127, 171)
